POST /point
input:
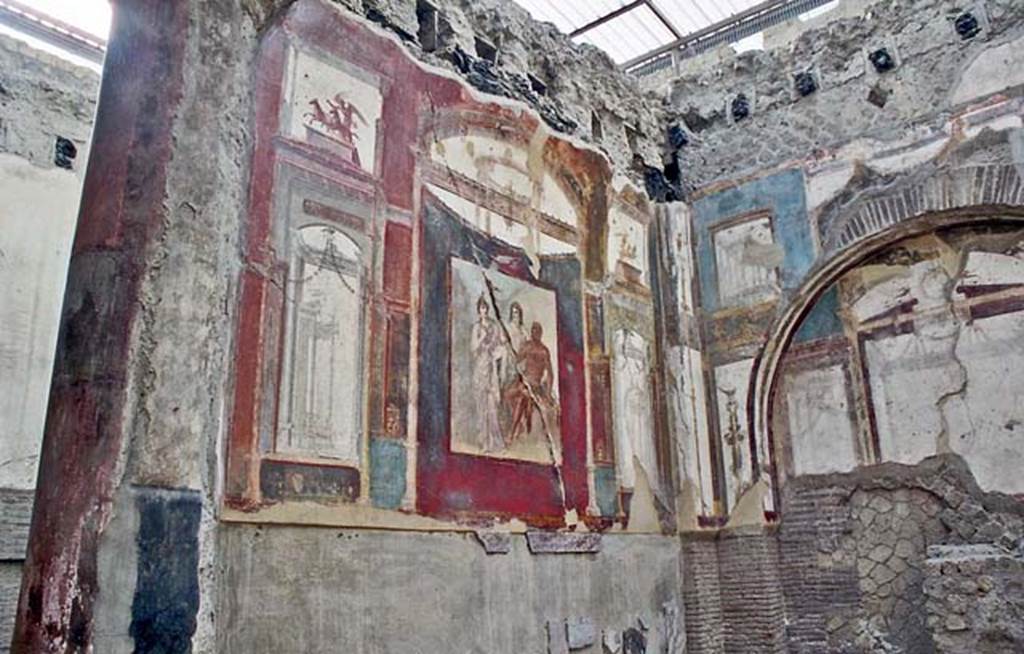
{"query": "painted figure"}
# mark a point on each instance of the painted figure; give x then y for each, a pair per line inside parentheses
(534, 384)
(486, 350)
(338, 118)
(517, 336)
(502, 365)
(634, 426)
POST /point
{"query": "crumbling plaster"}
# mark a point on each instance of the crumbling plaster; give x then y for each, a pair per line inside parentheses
(974, 598)
(864, 168)
(580, 81)
(936, 76)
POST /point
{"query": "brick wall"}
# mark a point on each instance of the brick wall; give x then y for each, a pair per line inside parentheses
(731, 592)
(845, 570)
(702, 601)
(814, 583)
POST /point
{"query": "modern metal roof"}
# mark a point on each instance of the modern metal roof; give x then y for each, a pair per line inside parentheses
(74, 29)
(641, 34)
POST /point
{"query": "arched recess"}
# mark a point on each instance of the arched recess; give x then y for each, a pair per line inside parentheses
(767, 365)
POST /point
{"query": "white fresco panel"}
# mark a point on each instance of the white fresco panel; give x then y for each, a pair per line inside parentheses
(632, 411)
(321, 400)
(906, 374)
(746, 259)
(334, 107)
(689, 411)
(989, 431)
(732, 383)
(821, 430)
(627, 243)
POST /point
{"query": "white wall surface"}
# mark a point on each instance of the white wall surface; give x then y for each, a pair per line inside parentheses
(38, 211)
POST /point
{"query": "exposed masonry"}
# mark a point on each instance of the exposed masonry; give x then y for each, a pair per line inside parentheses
(929, 57)
(848, 569)
(42, 99)
(974, 599)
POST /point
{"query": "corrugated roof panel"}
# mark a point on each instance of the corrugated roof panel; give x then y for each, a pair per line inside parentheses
(629, 35)
(548, 12)
(571, 15)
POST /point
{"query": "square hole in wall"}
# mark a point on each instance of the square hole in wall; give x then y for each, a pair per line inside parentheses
(64, 153)
(969, 22)
(596, 129)
(882, 58)
(538, 86)
(878, 96)
(485, 49)
(426, 14)
(805, 83)
(740, 106)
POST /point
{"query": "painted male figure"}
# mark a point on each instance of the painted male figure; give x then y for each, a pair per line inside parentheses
(536, 381)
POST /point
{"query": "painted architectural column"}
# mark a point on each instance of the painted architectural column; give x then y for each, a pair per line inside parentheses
(135, 405)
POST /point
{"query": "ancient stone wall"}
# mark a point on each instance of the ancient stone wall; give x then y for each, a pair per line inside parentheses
(855, 566)
(926, 70)
(974, 598)
(329, 299)
(885, 559)
(371, 322)
(862, 137)
(765, 238)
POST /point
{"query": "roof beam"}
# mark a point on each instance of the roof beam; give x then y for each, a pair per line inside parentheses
(664, 19)
(597, 22)
(752, 20)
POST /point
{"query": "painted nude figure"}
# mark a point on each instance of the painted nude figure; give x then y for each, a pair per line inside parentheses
(535, 383)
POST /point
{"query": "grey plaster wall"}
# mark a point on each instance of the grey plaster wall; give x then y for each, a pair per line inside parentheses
(382, 592)
(43, 97)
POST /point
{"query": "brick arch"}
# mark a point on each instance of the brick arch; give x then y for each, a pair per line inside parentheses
(864, 228)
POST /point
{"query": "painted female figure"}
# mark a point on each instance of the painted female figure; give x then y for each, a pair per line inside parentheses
(486, 350)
